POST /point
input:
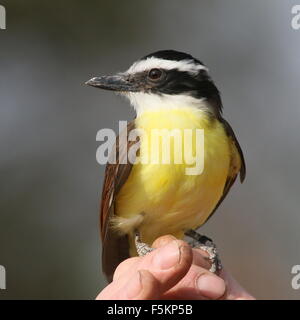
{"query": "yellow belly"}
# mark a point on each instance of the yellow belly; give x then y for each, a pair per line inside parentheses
(160, 199)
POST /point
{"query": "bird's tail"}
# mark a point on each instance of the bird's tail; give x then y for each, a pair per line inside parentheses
(115, 249)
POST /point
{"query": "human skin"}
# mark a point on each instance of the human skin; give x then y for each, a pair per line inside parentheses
(173, 271)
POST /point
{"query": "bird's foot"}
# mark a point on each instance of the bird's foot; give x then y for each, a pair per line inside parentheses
(142, 248)
(206, 244)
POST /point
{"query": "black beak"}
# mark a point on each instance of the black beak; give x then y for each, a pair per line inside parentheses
(119, 82)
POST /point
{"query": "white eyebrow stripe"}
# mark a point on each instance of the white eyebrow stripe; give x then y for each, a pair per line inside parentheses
(152, 62)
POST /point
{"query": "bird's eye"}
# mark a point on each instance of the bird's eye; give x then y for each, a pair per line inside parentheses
(155, 74)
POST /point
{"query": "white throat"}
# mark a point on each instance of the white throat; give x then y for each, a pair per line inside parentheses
(149, 102)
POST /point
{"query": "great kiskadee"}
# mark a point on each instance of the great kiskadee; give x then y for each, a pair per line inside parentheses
(142, 201)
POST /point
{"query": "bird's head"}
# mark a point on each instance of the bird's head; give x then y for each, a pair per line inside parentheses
(164, 79)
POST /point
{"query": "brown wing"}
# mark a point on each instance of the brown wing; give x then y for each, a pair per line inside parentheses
(115, 247)
(237, 164)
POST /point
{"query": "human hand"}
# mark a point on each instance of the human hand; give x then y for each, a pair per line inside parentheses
(173, 271)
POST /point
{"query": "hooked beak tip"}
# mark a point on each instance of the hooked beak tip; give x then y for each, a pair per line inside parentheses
(114, 83)
(91, 82)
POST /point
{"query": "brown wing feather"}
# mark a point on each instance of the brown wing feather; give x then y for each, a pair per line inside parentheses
(234, 170)
(115, 247)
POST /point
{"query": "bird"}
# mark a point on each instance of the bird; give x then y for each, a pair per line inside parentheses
(142, 200)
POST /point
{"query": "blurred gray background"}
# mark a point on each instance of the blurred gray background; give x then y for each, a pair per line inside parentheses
(50, 180)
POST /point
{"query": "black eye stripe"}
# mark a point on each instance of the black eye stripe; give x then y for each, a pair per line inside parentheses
(174, 81)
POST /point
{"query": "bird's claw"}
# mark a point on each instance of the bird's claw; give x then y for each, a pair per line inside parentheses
(206, 244)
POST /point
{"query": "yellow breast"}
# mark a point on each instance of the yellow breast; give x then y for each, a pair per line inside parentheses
(161, 198)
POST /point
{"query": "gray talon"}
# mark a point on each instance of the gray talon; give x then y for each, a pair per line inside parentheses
(142, 248)
(207, 245)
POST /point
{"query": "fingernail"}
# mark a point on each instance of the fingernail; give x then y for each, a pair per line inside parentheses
(167, 256)
(211, 286)
(134, 286)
